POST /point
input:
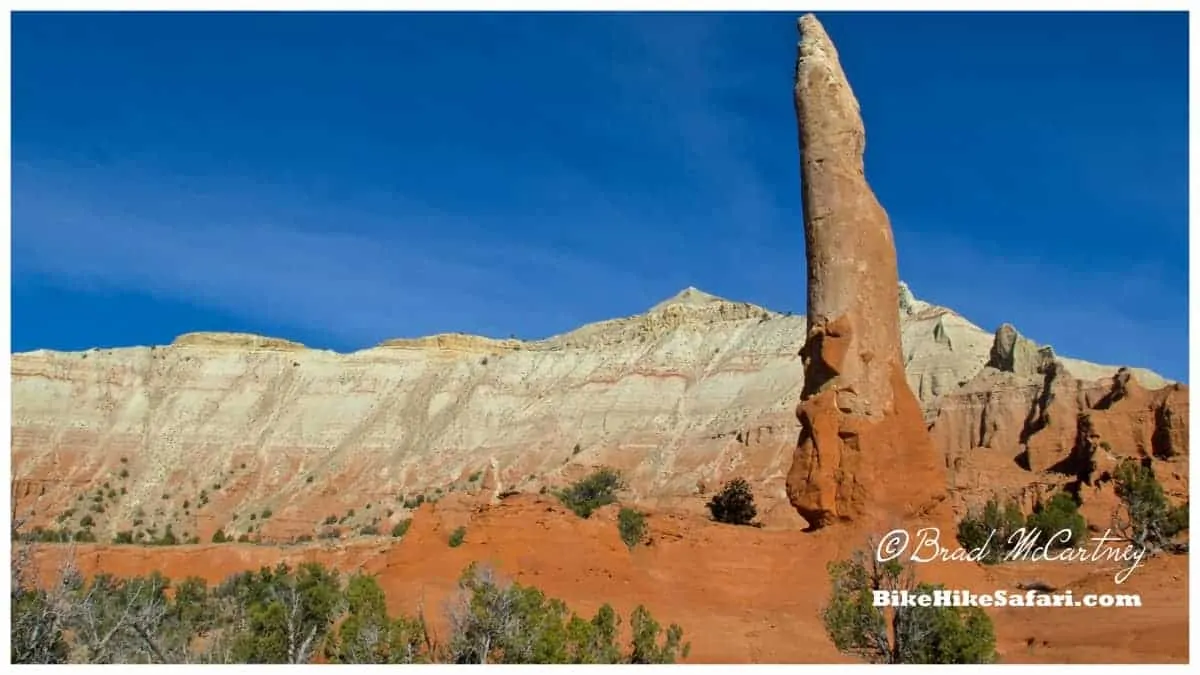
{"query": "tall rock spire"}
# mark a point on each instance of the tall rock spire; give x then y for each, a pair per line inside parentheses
(863, 446)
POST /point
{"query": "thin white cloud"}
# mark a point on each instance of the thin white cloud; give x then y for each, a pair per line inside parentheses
(345, 285)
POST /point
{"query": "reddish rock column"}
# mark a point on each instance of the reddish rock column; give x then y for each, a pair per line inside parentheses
(863, 447)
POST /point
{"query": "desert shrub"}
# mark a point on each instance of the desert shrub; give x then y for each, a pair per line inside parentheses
(1058, 521)
(289, 615)
(331, 520)
(457, 536)
(369, 531)
(1145, 516)
(920, 635)
(123, 537)
(591, 492)
(41, 534)
(632, 526)
(86, 522)
(494, 621)
(367, 634)
(992, 527)
(124, 473)
(734, 504)
(475, 476)
(401, 528)
(219, 537)
(284, 615)
(266, 514)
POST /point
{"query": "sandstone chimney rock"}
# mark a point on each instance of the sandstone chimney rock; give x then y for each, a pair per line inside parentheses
(864, 451)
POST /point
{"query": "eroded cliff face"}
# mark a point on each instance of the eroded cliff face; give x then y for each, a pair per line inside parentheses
(689, 394)
(863, 443)
(1027, 424)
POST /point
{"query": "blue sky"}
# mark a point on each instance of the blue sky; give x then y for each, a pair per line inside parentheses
(340, 179)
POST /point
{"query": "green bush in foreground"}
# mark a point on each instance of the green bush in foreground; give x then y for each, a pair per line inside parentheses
(498, 622)
(1059, 514)
(994, 526)
(1146, 517)
(287, 615)
(921, 635)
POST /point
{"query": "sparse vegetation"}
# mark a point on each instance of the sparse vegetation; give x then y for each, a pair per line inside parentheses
(219, 537)
(401, 528)
(331, 520)
(1058, 521)
(991, 530)
(457, 536)
(266, 514)
(492, 621)
(914, 635)
(632, 526)
(475, 477)
(1145, 516)
(734, 504)
(287, 615)
(592, 492)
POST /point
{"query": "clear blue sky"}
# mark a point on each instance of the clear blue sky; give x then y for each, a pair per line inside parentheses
(340, 179)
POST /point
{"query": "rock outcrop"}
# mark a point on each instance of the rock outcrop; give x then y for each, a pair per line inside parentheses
(693, 392)
(863, 443)
(1027, 424)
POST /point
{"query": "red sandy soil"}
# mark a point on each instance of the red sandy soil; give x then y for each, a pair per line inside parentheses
(742, 594)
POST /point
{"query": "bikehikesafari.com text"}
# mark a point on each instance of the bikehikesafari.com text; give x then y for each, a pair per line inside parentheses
(964, 598)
